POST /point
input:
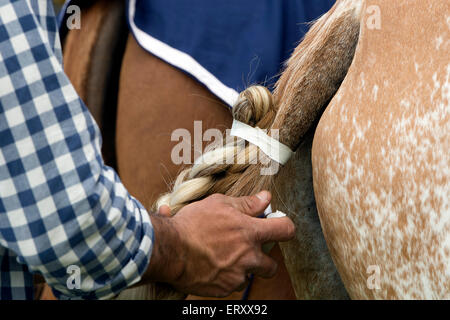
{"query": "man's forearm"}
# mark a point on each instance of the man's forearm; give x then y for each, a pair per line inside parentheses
(168, 256)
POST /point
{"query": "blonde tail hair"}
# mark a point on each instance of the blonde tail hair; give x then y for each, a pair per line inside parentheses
(212, 172)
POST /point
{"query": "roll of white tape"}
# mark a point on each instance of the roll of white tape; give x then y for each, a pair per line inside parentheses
(276, 214)
(271, 215)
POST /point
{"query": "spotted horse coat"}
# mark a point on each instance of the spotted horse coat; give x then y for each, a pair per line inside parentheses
(381, 154)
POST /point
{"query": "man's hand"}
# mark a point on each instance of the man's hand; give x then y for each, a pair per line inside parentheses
(209, 247)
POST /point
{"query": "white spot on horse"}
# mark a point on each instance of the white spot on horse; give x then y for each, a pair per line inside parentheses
(375, 92)
(405, 104)
(439, 40)
(361, 128)
(446, 246)
(446, 87)
(363, 82)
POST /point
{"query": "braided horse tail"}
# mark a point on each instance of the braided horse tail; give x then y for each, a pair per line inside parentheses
(213, 172)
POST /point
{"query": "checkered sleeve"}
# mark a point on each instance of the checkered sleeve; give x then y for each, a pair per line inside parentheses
(63, 213)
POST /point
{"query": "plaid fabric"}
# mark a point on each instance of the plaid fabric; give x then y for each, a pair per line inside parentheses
(60, 206)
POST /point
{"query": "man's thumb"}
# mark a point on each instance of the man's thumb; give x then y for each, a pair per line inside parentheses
(252, 205)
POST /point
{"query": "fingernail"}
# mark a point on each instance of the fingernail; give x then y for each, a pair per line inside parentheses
(263, 196)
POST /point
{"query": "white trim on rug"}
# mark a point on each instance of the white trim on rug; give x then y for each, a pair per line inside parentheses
(181, 60)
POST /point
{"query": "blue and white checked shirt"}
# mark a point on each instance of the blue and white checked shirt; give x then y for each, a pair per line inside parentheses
(59, 204)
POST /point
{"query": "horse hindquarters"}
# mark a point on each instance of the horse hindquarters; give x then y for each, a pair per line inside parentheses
(380, 157)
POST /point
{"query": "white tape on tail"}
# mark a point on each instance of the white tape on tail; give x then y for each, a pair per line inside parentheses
(273, 148)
